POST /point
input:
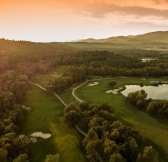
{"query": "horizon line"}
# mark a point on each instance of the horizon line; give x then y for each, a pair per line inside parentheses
(77, 40)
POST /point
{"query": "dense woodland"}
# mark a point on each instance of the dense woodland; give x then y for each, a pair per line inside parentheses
(33, 58)
(107, 138)
(12, 146)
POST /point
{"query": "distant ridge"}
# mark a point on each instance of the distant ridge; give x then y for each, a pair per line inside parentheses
(158, 36)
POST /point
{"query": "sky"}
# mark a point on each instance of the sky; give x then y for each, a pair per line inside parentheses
(66, 20)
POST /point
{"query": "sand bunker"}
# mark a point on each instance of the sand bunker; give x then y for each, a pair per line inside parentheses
(41, 134)
(93, 84)
(114, 91)
(26, 108)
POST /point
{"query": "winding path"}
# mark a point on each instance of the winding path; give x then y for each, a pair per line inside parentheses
(44, 89)
(73, 91)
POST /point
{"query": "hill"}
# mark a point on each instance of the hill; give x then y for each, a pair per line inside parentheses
(159, 36)
(25, 48)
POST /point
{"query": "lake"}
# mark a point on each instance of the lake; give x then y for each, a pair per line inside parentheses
(154, 92)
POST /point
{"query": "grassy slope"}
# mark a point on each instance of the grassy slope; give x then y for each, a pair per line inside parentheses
(47, 116)
(146, 125)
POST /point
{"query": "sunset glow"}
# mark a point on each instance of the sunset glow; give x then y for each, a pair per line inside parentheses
(65, 20)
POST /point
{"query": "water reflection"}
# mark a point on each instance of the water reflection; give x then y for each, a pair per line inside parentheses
(159, 92)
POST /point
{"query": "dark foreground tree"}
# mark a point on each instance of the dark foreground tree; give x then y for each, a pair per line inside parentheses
(149, 154)
(21, 158)
(72, 114)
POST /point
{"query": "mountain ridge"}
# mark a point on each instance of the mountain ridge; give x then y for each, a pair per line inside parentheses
(158, 36)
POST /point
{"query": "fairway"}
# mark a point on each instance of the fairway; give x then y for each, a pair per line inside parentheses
(47, 116)
(148, 126)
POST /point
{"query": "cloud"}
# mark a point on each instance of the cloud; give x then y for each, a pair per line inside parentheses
(100, 10)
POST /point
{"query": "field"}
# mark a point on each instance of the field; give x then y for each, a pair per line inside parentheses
(149, 127)
(47, 116)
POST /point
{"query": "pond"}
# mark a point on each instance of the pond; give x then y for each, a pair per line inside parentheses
(154, 92)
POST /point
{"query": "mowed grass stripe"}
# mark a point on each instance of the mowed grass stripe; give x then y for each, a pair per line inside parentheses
(47, 116)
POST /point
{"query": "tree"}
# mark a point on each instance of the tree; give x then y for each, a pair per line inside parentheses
(72, 114)
(149, 154)
(52, 158)
(21, 158)
(138, 99)
(117, 157)
(84, 106)
(112, 83)
(140, 104)
(151, 108)
(109, 148)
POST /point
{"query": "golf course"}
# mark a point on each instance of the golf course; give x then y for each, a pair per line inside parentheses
(46, 116)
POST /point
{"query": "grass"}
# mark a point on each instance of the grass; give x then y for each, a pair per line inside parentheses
(148, 126)
(47, 116)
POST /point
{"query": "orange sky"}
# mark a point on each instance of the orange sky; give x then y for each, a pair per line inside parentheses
(53, 20)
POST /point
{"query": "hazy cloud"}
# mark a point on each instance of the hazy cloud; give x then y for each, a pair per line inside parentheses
(100, 10)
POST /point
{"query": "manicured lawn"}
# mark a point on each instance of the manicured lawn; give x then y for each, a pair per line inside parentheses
(47, 116)
(148, 126)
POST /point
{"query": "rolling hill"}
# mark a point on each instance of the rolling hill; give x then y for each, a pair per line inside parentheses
(153, 37)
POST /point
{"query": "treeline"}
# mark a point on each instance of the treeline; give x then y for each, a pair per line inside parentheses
(69, 77)
(96, 58)
(156, 108)
(107, 138)
(12, 114)
(33, 58)
(30, 58)
(104, 63)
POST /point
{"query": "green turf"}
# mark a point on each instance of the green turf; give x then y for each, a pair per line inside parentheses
(148, 126)
(47, 116)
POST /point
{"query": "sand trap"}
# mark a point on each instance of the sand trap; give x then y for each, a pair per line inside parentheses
(93, 84)
(26, 108)
(41, 134)
(114, 91)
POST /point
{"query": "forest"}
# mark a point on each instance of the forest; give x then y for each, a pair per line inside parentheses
(107, 138)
